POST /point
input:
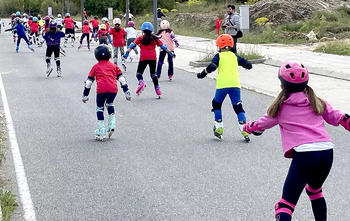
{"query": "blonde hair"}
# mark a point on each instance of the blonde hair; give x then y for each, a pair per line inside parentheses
(316, 103)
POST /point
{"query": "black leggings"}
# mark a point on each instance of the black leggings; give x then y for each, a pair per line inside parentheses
(308, 168)
(152, 69)
(103, 99)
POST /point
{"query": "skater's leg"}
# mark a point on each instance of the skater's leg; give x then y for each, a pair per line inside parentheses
(49, 51)
(314, 186)
(160, 63)
(219, 98)
(139, 75)
(57, 59)
(171, 67)
(88, 41)
(111, 115)
(235, 96)
(115, 55)
(152, 68)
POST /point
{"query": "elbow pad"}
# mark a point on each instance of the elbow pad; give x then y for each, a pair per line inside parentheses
(88, 83)
(163, 47)
(132, 45)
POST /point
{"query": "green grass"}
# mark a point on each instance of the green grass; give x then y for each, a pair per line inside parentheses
(335, 47)
(8, 204)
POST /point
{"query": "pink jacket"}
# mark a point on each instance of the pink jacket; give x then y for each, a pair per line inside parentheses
(168, 40)
(299, 124)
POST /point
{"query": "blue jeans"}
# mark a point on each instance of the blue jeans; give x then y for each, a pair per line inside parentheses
(235, 97)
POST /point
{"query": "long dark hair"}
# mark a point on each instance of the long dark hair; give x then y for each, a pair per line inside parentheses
(117, 28)
(168, 30)
(148, 37)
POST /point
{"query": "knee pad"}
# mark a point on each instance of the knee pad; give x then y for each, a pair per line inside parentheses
(283, 206)
(99, 109)
(47, 58)
(57, 59)
(216, 105)
(312, 193)
(109, 105)
(238, 108)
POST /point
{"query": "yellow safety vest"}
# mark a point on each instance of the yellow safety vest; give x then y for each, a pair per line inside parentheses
(228, 75)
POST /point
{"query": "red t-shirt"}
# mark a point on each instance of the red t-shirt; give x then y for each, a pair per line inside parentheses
(148, 52)
(107, 26)
(102, 33)
(105, 73)
(30, 22)
(86, 29)
(34, 26)
(118, 37)
(69, 23)
(94, 23)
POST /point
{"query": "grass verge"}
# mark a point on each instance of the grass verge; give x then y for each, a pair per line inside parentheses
(335, 47)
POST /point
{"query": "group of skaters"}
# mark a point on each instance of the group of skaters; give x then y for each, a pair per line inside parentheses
(297, 110)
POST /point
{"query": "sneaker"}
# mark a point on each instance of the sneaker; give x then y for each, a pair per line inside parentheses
(141, 87)
(59, 72)
(48, 70)
(158, 92)
(218, 129)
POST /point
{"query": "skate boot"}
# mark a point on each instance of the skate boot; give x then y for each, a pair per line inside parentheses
(100, 132)
(48, 70)
(72, 42)
(245, 134)
(80, 46)
(89, 48)
(31, 48)
(111, 125)
(170, 77)
(141, 88)
(59, 72)
(158, 92)
(123, 64)
(17, 49)
(65, 43)
(218, 129)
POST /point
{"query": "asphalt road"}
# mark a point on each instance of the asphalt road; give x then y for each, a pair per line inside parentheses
(162, 163)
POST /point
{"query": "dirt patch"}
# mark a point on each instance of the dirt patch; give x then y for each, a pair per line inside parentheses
(287, 11)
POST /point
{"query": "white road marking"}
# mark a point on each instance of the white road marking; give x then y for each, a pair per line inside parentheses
(27, 203)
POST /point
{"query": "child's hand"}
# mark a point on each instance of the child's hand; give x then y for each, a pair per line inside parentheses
(202, 74)
(345, 122)
(249, 66)
(126, 55)
(85, 98)
(252, 128)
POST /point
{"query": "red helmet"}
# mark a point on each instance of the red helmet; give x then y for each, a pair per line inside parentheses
(224, 40)
(294, 76)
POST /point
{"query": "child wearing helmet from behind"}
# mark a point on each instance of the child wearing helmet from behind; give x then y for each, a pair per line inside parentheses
(94, 23)
(301, 115)
(227, 83)
(167, 37)
(148, 42)
(86, 33)
(106, 74)
(102, 35)
(69, 24)
(21, 32)
(118, 35)
(53, 41)
(131, 35)
(34, 31)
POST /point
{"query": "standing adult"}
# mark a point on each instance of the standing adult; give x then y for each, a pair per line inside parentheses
(232, 24)
(160, 14)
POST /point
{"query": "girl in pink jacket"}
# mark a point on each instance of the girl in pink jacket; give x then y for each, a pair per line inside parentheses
(300, 115)
(167, 37)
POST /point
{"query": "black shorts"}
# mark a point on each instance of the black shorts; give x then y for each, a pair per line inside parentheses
(55, 49)
(69, 31)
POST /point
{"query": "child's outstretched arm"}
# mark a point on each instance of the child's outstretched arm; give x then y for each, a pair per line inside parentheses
(210, 68)
(244, 63)
(124, 85)
(131, 46)
(87, 88)
(172, 36)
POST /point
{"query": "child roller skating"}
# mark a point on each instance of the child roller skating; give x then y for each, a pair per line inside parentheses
(69, 24)
(106, 74)
(301, 117)
(53, 41)
(167, 37)
(86, 33)
(227, 83)
(21, 32)
(131, 34)
(148, 43)
(118, 35)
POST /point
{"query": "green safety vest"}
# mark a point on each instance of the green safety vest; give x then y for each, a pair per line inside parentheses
(228, 75)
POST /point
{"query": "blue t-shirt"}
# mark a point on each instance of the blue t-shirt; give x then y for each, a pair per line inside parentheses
(21, 30)
(54, 38)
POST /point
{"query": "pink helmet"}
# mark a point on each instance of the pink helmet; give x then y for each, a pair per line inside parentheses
(85, 22)
(131, 24)
(47, 18)
(293, 75)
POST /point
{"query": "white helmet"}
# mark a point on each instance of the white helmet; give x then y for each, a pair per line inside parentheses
(164, 24)
(67, 15)
(59, 16)
(104, 19)
(117, 21)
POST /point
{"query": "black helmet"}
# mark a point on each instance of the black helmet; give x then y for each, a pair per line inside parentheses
(103, 52)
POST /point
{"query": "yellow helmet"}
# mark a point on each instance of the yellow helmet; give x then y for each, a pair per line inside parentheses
(103, 26)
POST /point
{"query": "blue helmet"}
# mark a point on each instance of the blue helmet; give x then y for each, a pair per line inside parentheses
(18, 13)
(147, 26)
(35, 19)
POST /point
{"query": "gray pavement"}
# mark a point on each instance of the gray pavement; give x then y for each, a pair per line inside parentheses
(330, 74)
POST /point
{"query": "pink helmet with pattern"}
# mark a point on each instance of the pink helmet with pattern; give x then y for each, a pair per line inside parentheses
(85, 22)
(131, 24)
(293, 75)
